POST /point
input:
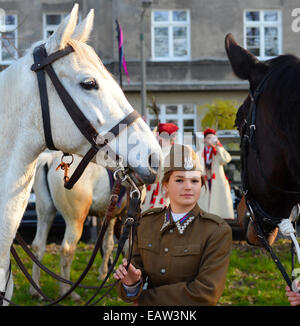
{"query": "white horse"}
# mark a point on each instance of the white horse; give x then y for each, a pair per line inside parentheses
(89, 196)
(21, 127)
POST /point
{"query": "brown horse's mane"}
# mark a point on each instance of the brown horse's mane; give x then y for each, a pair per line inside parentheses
(284, 87)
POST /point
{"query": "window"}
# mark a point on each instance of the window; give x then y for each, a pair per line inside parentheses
(170, 35)
(50, 23)
(183, 115)
(9, 39)
(262, 32)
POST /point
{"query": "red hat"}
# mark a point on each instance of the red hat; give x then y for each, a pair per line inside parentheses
(209, 131)
(170, 128)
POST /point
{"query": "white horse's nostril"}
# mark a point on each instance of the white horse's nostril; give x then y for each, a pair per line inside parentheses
(154, 161)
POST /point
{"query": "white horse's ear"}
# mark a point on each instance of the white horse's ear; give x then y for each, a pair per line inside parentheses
(83, 29)
(59, 39)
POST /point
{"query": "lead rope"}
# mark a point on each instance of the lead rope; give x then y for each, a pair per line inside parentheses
(27, 275)
(119, 250)
(266, 245)
(289, 228)
(128, 231)
(109, 212)
(24, 246)
(293, 261)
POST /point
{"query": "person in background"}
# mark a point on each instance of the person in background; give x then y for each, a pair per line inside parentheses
(216, 196)
(181, 253)
(154, 193)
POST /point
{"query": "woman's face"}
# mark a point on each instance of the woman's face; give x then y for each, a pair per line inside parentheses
(210, 139)
(183, 189)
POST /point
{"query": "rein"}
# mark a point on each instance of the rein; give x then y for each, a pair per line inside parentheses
(128, 231)
(108, 215)
(42, 65)
(266, 245)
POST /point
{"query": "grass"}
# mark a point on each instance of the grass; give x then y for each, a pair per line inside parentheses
(252, 280)
(51, 287)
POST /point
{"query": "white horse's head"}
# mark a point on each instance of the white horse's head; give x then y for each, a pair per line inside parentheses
(100, 99)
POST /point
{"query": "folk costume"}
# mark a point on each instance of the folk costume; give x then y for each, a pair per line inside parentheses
(183, 257)
(216, 198)
(154, 193)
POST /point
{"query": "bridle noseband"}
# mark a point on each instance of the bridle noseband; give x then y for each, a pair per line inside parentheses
(42, 64)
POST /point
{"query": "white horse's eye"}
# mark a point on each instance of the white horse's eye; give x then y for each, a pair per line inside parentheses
(89, 84)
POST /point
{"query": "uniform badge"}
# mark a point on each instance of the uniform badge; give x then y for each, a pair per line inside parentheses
(185, 223)
(188, 163)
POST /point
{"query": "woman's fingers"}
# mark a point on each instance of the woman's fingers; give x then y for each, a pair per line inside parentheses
(121, 272)
(132, 275)
(138, 273)
(293, 297)
(132, 269)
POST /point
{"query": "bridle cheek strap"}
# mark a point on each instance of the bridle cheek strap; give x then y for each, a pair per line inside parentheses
(42, 64)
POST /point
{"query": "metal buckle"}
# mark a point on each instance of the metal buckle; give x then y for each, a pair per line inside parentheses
(135, 191)
(250, 212)
(129, 220)
(115, 196)
(119, 173)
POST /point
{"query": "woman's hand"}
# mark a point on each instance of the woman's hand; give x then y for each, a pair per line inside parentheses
(127, 277)
(293, 297)
(211, 140)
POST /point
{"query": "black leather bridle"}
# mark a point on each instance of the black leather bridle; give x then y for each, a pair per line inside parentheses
(42, 64)
(248, 139)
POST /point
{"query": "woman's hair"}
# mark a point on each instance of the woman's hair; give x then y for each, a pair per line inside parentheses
(166, 177)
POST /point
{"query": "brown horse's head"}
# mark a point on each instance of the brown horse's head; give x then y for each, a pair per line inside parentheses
(273, 158)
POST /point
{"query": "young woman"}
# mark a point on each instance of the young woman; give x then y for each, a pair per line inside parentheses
(216, 199)
(181, 253)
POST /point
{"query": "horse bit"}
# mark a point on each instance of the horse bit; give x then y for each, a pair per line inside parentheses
(42, 63)
(284, 224)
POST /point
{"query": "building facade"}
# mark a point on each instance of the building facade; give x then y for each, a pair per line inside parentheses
(186, 64)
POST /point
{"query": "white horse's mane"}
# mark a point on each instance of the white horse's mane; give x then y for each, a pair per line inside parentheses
(83, 51)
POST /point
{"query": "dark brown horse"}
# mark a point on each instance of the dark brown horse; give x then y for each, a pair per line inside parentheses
(269, 125)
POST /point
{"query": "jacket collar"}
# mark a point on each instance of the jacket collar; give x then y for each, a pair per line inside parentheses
(183, 222)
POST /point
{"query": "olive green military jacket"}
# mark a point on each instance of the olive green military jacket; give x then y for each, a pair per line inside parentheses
(186, 263)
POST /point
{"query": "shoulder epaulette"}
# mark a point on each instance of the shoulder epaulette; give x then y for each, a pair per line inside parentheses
(217, 219)
(154, 210)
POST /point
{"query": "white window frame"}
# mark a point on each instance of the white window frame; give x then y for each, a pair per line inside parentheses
(261, 24)
(10, 28)
(179, 116)
(170, 24)
(47, 27)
